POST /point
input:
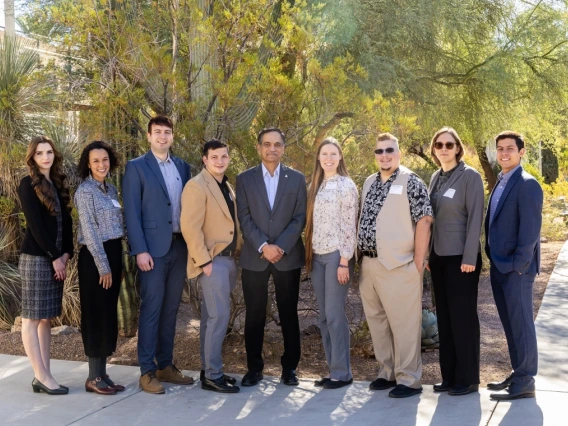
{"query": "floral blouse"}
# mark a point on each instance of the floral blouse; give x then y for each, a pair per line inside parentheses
(100, 219)
(335, 217)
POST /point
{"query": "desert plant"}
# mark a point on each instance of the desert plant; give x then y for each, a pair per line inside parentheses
(10, 287)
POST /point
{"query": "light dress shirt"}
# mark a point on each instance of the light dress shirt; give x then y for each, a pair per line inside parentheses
(173, 184)
(271, 184)
(503, 180)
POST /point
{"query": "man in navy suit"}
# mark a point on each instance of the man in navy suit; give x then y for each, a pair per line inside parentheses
(512, 229)
(152, 188)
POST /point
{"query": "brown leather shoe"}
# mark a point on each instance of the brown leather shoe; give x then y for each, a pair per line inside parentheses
(91, 386)
(171, 374)
(116, 387)
(149, 383)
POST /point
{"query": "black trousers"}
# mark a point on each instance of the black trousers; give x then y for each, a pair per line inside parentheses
(458, 323)
(99, 318)
(255, 291)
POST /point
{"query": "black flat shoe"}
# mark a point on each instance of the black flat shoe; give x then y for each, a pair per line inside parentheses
(507, 395)
(38, 386)
(251, 378)
(442, 387)
(336, 384)
(462, 390)
(382, 384)
(230, 380)
(402, 391)
(289, 378)
(218, 385)
(319, 383)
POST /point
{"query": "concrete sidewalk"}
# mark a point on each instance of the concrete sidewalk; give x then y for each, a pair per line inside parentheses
(273, 403)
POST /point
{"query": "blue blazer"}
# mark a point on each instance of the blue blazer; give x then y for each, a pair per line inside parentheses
(147, 209)
(512, 240)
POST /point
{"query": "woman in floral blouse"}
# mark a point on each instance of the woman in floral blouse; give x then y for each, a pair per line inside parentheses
(101, 229)
(333, 203)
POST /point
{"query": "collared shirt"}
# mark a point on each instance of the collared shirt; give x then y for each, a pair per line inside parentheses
(417, 194)
(443, 178)
(335, 217)
(100, 219)
(173, 184)
(271, 183)
(231, 205)
(503, 180)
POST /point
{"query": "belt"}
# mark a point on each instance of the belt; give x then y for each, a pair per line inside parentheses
(227, 253)
(369, 253)
(177, 236)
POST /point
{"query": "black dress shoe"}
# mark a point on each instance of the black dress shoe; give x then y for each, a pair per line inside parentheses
(463, 390)
(509, 395)
(402, 391)
(500, 385)
(319, 383)
(336, 384)
(289, 378)
(38, 386)
(252, 378)
(382, 384)
(228, 379)
(442, 387)
(218, 385)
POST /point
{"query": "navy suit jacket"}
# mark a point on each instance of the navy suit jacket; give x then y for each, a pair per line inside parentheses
(512, 240)
(282, 225)
(147, 208)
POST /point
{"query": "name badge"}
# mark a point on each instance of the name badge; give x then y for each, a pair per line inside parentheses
(115, 203)
(331, 185)
(450, 193)
(395, 189)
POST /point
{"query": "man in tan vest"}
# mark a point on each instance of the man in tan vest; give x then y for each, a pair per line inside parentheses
(210, 228)
(393, 235)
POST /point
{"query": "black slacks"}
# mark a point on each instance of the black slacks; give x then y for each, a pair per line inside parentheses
(255, 291)
(458, 323)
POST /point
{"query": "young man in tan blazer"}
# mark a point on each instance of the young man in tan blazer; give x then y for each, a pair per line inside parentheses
(210, 228)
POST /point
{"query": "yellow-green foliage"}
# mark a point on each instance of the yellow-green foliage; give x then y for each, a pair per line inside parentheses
(7, 207)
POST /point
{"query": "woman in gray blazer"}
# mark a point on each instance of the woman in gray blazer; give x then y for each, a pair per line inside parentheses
(456, 192)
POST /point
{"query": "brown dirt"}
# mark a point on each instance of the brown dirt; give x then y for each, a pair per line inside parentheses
(494, 356)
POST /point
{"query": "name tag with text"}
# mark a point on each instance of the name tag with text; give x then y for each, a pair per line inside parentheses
(395, 189)
(450, 193)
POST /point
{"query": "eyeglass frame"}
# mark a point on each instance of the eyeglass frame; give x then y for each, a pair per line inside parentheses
(448, 145)
(390, 150)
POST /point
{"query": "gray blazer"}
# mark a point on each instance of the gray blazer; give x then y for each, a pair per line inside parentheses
(282, 225)
(458, 219)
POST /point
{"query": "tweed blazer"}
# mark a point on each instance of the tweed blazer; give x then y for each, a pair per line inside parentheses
(206, 222)
(458, 215)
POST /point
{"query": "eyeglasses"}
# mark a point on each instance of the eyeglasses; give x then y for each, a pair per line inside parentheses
(380, 151)
(440, 145)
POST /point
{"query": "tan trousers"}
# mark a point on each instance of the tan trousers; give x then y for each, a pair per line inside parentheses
(392, 301)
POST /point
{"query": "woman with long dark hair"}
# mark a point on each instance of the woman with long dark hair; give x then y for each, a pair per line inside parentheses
(333, 203)
(101, 229)
(456, 193)
(46, 248)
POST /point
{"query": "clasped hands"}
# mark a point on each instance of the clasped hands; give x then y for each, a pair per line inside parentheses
(60, 266)
(272, 253)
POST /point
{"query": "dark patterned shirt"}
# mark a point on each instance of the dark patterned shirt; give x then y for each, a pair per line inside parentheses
(417, 196)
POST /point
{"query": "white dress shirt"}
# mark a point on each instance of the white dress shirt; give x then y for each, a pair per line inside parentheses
(271, 184)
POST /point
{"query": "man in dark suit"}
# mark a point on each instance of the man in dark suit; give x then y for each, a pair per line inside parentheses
(271, 207)
(512, 229)
(152, 188)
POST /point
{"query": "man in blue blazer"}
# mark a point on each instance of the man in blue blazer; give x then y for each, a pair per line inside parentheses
(152, 188)
(512, 229)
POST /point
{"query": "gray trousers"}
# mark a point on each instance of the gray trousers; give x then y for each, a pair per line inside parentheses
(331, 297)
(215, 310)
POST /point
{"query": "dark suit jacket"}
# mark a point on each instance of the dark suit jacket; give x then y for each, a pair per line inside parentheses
(41, 227)
(147, 209)
(283, 225)
(457, 220)
(513, 237)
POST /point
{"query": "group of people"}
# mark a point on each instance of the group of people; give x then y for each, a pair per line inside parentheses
(180, 227)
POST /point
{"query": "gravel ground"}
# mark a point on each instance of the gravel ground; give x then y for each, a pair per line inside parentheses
(494, 356)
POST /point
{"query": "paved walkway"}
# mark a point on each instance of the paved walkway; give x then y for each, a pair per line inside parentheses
(275, 404)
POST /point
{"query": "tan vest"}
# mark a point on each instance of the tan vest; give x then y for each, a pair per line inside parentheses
(395, 227)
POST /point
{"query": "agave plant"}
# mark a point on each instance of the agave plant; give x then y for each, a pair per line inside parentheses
(10, 287)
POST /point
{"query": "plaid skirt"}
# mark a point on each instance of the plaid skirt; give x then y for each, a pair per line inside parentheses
(42, 295)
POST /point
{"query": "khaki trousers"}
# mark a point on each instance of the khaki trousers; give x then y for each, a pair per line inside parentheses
(392, 301)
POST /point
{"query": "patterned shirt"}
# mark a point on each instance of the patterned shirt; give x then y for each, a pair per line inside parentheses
(419, 207)
(173, 184)
(335, 217)
(100, 219)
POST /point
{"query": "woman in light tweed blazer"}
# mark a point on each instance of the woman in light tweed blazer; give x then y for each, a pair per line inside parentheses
(456, 193)
(101, 229)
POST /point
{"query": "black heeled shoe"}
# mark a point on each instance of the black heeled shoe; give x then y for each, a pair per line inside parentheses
(38, 386)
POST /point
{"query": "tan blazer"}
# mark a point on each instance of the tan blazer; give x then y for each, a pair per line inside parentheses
(206, 222)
